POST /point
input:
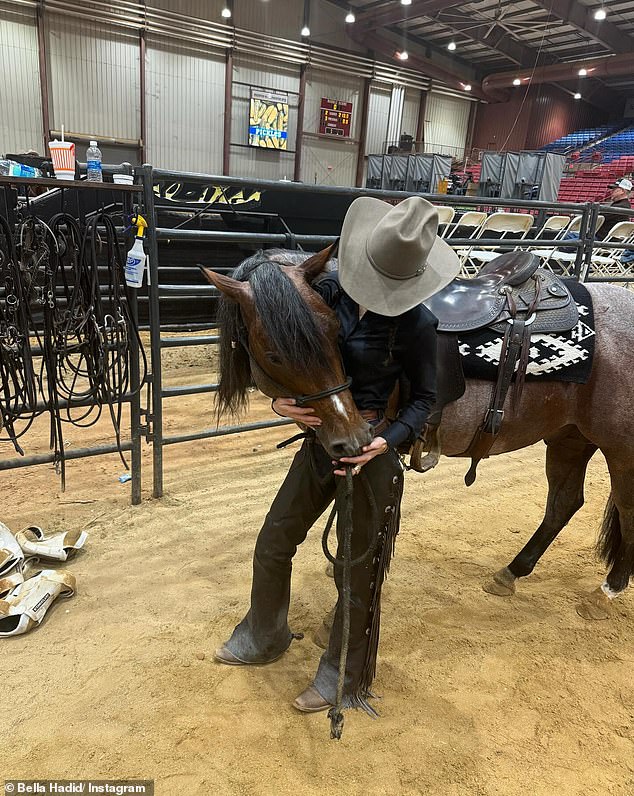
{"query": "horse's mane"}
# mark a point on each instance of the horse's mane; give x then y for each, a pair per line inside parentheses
(288, 323)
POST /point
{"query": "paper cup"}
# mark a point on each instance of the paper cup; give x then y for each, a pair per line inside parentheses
(63, 157)
(123, 179)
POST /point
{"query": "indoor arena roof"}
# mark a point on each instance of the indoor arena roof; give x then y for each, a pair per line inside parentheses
(499, 35)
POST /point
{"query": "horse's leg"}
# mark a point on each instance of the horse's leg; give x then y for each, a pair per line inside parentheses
(567, 457)
(616, 542)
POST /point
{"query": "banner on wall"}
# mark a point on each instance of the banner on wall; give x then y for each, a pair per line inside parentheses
(335, 118)
(268, 119)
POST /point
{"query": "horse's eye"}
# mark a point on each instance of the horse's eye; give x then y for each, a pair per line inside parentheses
(273, 358)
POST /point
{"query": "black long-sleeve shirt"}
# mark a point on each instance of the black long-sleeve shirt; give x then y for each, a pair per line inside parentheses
(376, 350)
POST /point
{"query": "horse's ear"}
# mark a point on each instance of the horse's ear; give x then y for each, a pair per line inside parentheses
(312, 267)
(232, 288)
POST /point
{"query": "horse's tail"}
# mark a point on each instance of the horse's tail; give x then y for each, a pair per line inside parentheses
(609, 540)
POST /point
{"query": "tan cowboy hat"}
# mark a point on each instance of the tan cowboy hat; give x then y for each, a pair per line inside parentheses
(390, 258)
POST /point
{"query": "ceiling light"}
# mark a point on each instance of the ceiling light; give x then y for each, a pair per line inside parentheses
(467, 86)
(583, 72)
(406, 2)
(451, 46)
(305, 31)
(517, 82)
(600, 14)
(226, 12)
(403, 55)
(577, 95)
(350, 17)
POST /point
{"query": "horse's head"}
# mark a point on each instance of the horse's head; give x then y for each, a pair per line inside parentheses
(270, 314)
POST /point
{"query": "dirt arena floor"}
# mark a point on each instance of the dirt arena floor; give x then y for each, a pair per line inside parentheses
(481, 695)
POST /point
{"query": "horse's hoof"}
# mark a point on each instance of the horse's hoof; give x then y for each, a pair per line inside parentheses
(594, 606)
(502, 584)
(330, 570)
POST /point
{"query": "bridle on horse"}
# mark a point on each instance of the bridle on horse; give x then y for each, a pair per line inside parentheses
(267, 385)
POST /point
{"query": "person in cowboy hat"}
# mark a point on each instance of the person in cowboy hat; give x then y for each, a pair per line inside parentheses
(390, 260)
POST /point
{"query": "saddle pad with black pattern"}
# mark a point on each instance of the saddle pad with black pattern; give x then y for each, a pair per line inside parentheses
(560, 356)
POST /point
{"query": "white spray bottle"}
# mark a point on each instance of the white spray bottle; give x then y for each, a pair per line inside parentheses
(136, 259)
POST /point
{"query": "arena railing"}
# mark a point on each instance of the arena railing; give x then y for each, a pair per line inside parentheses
(160, 289)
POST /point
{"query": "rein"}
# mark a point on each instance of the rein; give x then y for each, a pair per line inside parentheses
(51, 296)
(343, 510)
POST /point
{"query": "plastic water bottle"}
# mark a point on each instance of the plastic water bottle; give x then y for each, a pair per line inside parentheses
(9, 168)
(93, 163)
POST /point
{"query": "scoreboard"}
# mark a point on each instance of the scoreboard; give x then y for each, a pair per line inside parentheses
(335, 118)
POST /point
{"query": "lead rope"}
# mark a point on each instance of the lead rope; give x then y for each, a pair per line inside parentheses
(345, 493)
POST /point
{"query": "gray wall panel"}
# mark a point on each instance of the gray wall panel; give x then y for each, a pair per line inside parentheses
(378, 114)
(446, 124)
(21, 117)
(185, 108)
(410, 112)
(328, 162)
(94, 77)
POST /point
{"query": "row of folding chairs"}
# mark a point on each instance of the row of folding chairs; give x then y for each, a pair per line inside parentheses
(476, 224)
(605, 261)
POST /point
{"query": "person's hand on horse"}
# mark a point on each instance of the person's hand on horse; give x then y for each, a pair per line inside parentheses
(286, 407)
(377, 447)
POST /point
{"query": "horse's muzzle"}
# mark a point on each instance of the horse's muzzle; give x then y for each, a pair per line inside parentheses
(350, 445)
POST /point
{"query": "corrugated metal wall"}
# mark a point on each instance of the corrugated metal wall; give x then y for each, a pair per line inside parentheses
(446, 124)
(330, 161)
(94, 74)
(185, 108)
(335, 87)
(268, 164)
(378, 114)
(528, 121)
(21, 117)
(502, 124)
(202, 9)
(410, 112)
(279, 18)
(327, 26)
(554, 113)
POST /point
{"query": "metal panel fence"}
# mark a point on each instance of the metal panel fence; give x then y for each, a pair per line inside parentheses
(161, 289)
(581, 267)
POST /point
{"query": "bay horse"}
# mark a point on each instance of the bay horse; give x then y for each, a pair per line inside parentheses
(278, 332)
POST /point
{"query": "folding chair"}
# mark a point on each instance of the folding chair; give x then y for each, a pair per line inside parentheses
(505, 225)
(554, 224)
(558, 260)
(467, 226)
(445, 217)
(607, 262)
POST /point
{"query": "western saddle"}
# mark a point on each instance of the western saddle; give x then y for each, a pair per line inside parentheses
(513, 296)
